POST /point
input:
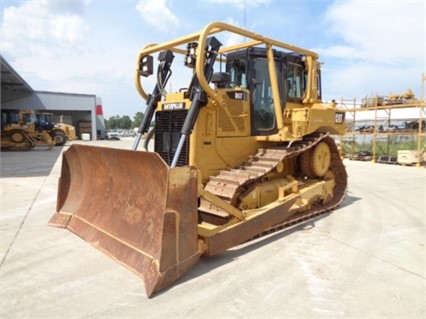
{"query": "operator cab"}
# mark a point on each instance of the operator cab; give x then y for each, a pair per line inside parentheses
(44, 122)
(248, 69)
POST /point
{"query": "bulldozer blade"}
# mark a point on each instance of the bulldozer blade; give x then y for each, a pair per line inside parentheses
(132, 206)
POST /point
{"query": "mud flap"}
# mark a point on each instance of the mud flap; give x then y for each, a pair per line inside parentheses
(133, 207)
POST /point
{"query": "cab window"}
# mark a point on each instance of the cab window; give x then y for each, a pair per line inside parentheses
(237, 69)
(295, 81)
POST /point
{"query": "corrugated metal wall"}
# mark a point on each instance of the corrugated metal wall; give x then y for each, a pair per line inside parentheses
(54, 101)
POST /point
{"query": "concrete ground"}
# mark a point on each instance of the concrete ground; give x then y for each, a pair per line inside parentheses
(366, 259)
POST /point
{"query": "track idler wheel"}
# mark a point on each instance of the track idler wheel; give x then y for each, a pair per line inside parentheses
(316, 161)
(17, 137)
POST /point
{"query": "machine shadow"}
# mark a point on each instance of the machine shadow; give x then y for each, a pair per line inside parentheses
(36, 162)
(349, 200)
(207, 264)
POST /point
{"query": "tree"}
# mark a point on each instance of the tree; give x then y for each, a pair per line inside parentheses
(124, 122)
(137, 119)
(112, 122)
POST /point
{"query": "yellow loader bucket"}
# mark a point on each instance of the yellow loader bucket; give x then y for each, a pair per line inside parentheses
(132, 206)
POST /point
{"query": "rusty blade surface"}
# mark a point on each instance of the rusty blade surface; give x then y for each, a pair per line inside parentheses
(133, 207)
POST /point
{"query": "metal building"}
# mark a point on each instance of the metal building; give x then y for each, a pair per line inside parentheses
(84, 111)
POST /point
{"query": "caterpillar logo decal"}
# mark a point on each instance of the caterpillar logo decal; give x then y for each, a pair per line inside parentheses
(174, 106)
(340, 117)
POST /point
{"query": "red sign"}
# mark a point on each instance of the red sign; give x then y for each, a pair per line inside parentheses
(99, 110)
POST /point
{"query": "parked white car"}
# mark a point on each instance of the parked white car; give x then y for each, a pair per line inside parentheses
(113, 135)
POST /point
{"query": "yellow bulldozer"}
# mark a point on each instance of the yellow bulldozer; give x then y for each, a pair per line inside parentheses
(22, 130)
(246, 148)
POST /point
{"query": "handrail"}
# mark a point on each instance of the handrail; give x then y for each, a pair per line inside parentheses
(201, 38)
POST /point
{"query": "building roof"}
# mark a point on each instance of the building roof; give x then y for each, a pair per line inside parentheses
(12, 84)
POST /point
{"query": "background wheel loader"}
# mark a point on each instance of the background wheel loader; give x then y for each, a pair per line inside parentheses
(24, 129)
(245, 148)
(60, 132)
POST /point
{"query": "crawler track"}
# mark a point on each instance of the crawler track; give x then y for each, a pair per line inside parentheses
(230, 184)
(16, 140)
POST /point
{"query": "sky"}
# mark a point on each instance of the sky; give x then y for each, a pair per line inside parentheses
(91, 46)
